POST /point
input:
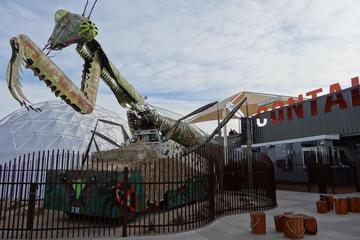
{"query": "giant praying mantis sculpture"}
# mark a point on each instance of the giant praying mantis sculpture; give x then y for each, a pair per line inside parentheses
(73, 28)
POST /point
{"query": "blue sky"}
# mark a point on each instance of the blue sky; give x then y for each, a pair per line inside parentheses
(182, 54)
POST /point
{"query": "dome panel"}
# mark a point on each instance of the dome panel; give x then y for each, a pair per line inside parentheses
(5, 146)
(70, 117)
(45, 126)
(26, 143)
(22, 127)
(46, 140)
(24, 116)
(57, 126)
(58, 143)
(66, 126)
(5, 130)
(45, 114)
(89, 122)
(73, 143)
(73, 129)
(21, 139)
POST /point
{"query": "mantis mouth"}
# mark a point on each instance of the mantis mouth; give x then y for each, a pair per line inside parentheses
(57, 47)
(51, 46)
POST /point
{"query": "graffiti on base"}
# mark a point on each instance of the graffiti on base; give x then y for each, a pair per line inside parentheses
(93, 193)
(193, 190)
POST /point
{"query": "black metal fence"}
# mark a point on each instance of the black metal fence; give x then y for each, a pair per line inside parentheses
(54, 195)
(328, 177)
(323, 178)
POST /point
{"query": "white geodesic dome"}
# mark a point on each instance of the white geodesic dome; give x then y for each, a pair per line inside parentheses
(57, 126)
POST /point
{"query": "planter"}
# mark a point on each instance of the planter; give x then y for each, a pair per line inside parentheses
(258, 222)
(294, 226)
(322, 206)
(341, 206)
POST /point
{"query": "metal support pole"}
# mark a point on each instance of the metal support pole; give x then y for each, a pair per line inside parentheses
(222, 161)
(248, 143)
(211, 182)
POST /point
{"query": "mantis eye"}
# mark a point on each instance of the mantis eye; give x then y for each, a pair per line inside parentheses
(88, 30)
(60, 14)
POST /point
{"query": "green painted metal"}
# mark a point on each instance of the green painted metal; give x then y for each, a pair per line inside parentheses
(92, 193)
(193, 190)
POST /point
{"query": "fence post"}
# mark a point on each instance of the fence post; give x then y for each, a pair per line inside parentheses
(356, 182)
(273, 188)
(211, 189)
(125, 214)
(333, 178)
(308, 178)
(31, 206)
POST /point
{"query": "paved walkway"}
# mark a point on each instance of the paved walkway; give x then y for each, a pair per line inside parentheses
(330, 225)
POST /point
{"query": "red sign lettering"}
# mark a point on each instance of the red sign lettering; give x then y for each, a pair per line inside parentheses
(355, 91)
(335, 98)
(280, 112)
(298, 108)
(330, 102)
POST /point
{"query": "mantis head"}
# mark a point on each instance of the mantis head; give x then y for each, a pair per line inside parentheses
(71, 28)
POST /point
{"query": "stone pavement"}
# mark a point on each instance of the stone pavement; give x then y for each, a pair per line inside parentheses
(330, 225)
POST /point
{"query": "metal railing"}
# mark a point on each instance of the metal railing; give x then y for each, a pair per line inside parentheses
(54, 195)
(318, 177)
